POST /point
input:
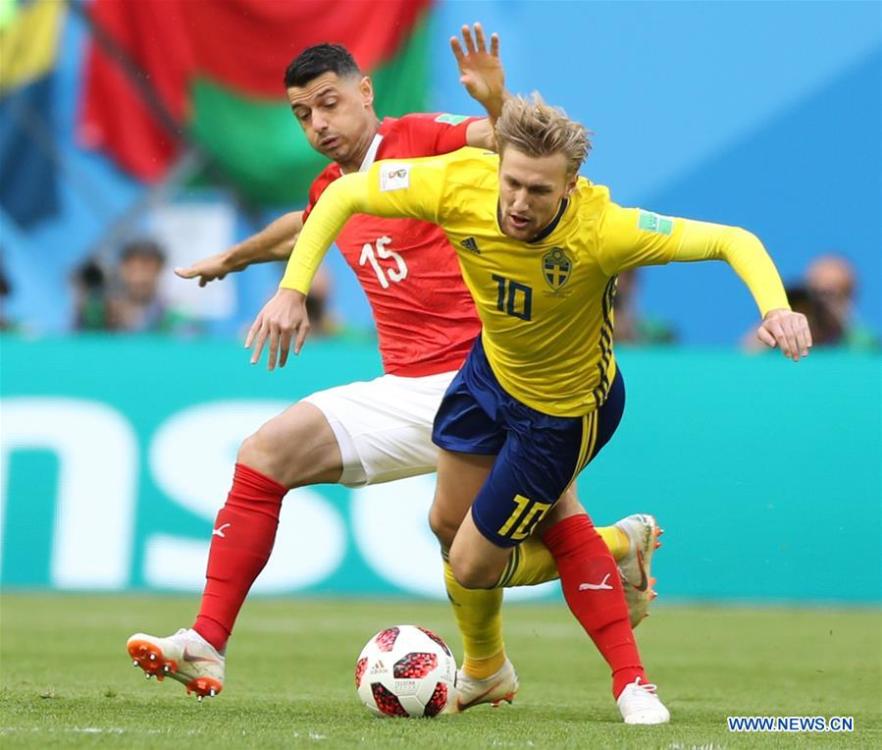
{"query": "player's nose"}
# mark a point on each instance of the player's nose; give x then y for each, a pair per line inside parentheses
(319, 123)
(519, 202)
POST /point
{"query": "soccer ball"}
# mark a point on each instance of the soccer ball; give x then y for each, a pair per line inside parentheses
(405, 671)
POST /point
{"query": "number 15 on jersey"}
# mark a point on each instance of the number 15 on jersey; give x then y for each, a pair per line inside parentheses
(385, 273)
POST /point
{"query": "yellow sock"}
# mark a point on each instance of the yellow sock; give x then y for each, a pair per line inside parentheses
(478, 614)
(616, 539)
(531, 562)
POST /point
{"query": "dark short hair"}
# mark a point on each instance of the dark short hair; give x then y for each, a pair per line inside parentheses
(319, 59)
(143, 249)
(91, 275)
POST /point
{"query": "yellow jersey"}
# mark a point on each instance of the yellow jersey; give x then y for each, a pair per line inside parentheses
(546, 305)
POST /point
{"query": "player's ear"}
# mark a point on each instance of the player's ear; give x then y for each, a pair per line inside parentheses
(571, 184)
(366, 89)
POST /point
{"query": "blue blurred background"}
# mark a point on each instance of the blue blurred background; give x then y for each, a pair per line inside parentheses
(765, 115)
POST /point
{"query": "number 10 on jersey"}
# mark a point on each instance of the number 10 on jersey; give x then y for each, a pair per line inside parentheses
(514, 298)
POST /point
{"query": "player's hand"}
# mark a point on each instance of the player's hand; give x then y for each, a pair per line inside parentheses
(208, 269)
(282, 320)
(787, 330)
(480, 70)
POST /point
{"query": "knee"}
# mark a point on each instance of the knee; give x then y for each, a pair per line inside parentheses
(254, 451)
(443, 526)
(296, 448)
(261, 453)
(471, 574)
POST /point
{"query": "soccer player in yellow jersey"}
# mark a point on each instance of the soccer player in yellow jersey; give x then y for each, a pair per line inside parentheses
(541, 392)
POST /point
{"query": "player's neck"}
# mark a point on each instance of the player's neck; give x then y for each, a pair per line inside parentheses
(551, 225)
(354, 163)
(547, 229)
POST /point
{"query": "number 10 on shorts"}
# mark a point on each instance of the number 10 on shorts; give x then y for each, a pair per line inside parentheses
(526, 515)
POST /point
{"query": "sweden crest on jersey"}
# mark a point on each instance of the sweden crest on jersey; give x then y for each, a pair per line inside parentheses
(556, 267)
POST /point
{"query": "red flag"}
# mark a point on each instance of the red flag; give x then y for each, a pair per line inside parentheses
(241, 44)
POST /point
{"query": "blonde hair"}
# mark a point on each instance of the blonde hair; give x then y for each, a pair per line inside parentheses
(538, 129)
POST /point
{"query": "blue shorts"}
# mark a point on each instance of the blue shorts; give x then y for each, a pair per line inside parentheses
(538, 455)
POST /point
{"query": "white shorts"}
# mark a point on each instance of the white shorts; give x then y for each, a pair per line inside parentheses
(384, 426)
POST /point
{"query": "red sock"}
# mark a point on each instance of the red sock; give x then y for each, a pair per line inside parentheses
(584, 560)
(241, 543)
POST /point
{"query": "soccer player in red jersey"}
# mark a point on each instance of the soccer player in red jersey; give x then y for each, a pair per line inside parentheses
(380, 430)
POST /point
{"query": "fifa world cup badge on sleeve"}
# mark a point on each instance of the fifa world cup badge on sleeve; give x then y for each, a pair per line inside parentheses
(652, 222)
(394, 177)
(450, 119)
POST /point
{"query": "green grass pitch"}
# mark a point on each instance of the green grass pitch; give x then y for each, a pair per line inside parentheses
(65, 678)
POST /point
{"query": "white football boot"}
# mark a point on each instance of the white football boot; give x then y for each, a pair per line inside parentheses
(501, 686)
(185, 656)
(639, 704)
(635, 567)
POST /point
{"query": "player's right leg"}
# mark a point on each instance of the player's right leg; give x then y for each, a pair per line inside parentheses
(361, 433)
(486, 674)
(295, 448)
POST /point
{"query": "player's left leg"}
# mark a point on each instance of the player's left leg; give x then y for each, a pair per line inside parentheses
(591, 582)
(632, 541)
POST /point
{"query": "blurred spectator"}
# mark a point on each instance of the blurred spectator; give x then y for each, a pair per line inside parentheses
(134, 303)
(130, 300)
(321, 321)
(825, 326)
(826, 297)
(831, 279)
(90, 304)
(630, 327)
(5, 291)
(823, 323)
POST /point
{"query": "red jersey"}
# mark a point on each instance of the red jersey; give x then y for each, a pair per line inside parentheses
(426, 320)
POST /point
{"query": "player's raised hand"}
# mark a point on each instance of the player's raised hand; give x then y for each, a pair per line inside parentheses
(282, 320)
(480, 69)
(208, 269)
(787, 330)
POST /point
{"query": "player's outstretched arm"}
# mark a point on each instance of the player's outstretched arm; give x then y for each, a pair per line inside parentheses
(781, 327)
(482, 74)
(632, 237)
(274, 242)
